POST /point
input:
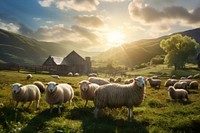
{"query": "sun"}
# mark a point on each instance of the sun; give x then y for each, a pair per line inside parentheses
(115, 38)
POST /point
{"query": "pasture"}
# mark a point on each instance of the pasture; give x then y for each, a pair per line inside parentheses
(157, 113)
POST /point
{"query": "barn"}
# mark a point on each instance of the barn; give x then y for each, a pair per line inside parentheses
(73, 62)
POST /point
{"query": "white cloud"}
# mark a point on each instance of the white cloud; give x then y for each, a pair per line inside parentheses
(45, 3)
(9, 27)
(36, 19)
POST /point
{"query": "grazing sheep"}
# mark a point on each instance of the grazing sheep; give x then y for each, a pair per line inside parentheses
(194, 85)
(190, 77)
(76, 74)
(116, 96)
(183, 78)
(118, 80)
(180, 85)
(55, 76)
(87, 90)
(154, 82)
(97, 80)
(170, 82)
(188, 81)
(173, 76)
(196, 76)
(29, 76)
(128, 81)
(25, 93)
(92, 75)
(58, 94)
(40, 85)
(70, 74)
(177, 93)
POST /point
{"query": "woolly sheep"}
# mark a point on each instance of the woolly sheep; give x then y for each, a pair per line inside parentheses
(128, 81)
(154, 82)
(194, 85)
(55, 76)
(25, 93)
(70, 74)
(196, 76)
(177, 93)
(180, 85)
(76, 74)
(58, 94)
(92, 75)
(40, 85)
(170, 82)
(118, 80)
(97, 80)
(29, 76)
(188, 81)
(115, 96)
(87, 90)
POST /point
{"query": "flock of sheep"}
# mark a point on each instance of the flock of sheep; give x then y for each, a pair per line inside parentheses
(105, 93)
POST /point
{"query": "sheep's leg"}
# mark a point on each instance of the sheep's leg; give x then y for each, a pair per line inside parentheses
(51, 108)
(86, 101)
(96, 110)
(130, 114)
(23, 105)
(59, 111)
(16, 104)
(37, 104)
(31, 102)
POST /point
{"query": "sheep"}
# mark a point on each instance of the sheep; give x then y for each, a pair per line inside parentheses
(76, 74)
(97, 80)
(170, 82)
(87, 90)
(154, 82)
(55, 76)
(118, 80)
(177, 93)
(196, 76)
(40, 85)
(188, 81)
(25, 93)
(29, 76)
(180, 85)
(92, 75)
(194, 85)
(58, 94)
(70, 74)
(114, 95)
(128, 81)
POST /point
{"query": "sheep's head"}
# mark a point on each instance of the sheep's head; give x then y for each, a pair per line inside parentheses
(84, 85)
(16, 87)
(140, 81)
(171, 89)
(51, 86)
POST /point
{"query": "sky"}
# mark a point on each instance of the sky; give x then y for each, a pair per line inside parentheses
(97, 25)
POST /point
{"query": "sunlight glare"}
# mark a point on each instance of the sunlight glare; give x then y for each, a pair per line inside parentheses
(115, 38)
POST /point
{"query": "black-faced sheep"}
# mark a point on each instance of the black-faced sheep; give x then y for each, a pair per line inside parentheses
(177, 93)
(87, 90)
(58, 94)
(97, 80)
(154, 82)
(25, 93)
(115, 96)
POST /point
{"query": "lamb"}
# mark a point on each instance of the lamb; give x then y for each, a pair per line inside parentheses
(55, 76)
(154, 82)
(40, 85)
(70, 74)
(118, 80)
(58, 94)
(87, 90)
(76, 74)
(115, 96)
(25, 93)
(177, 94)
(128, 81)
(170, 82)
(97, 80)
(194, 85)
(29, 76)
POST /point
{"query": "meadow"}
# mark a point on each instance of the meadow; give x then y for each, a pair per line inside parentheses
(157, 113)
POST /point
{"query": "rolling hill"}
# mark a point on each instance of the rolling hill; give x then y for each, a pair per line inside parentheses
(141, 51)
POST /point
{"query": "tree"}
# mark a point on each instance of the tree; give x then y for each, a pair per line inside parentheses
(178, 49)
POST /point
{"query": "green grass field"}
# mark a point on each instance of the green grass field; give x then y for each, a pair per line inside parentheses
(158, 113)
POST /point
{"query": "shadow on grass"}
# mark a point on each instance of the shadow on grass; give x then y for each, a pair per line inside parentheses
(105, 123)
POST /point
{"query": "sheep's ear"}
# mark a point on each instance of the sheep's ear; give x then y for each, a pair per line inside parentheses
(20, 85)
(46, 84)
(56, 83)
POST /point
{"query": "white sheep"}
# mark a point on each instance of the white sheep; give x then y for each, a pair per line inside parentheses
(87, 90)
(188, 81)
(29, 76)
(128, 81)
(180, 85)
(25, 93)
(40, 85)
(58, 94)
(70, 74)
(55, 76)
(76, 74)
(194, 85)
(177, 93)
(170, 82)
(97, 80)
(154, 82)
(92, 75)
(115, 96)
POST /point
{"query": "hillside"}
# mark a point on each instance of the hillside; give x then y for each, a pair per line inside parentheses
(141, 51)
(20, 49)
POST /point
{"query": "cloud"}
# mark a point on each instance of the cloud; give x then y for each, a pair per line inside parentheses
(9, 27)
(89, 21)
(45, 3)
(113, 0)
